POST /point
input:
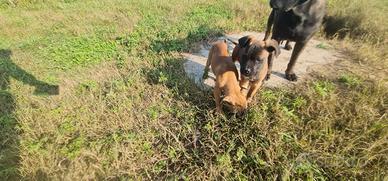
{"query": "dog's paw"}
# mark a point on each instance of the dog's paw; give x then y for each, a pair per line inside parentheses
(219, 112)
(288, 47)
(291, 77)
(267, 77)
(249, 100)
(205, 76)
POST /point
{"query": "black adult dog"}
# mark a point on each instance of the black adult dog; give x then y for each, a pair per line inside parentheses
(294, 20)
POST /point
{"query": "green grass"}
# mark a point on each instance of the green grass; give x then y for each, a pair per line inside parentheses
(350, 80)
(127, 111)
(73, 52)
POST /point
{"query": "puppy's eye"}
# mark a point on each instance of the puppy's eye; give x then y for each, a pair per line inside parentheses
(229, 104)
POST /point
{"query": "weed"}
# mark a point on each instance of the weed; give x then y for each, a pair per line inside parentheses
(73, 148)
(322, 46)
(350, 80)
(323, 88)
(224, 163)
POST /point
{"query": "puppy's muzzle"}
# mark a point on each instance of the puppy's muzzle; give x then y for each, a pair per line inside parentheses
(247, 72)
(252, 75)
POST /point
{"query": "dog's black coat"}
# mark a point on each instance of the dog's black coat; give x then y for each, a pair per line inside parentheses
(298, 23)
(295, 20)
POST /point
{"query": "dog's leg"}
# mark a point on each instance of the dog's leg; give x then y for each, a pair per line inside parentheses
(298, 48)
(269, 25)
(288, 46)
(275, 45)
(235, 53)
(244, 86)
(270, 62)
(217, 97)
(255, 86)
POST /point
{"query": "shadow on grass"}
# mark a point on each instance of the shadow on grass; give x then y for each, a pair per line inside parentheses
(187, 44)
(197, 141)
(9, 133)
(172, 73)
(342, 26)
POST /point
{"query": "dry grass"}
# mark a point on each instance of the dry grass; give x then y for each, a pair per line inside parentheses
(132, 114)
(364, 27)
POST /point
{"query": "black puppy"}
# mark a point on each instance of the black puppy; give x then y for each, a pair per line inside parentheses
(294, 20)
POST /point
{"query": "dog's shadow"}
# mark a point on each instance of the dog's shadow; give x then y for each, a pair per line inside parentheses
(173, 76)
(279, 74)
(172, 73)
(194, 126)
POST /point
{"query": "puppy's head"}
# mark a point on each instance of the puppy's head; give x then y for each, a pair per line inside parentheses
(285, 5)
(255, 57)
(242, 46)
(235, 103)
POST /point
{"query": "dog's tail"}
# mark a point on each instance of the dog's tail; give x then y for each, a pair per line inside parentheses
(233, 41)
(209, 57)
(208, 62)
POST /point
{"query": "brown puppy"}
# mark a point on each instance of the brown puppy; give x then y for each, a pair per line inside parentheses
(226, 79)
(253, 56)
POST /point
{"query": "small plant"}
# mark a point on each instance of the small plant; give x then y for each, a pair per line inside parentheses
(350, 80)
(88, 86)
(67, 127)
(240, 154)
(73, 148)
(162, 77)
(308, 171)
(299, 102)
(323, 88)
(153, 112)
(224, 162)
(323, 46)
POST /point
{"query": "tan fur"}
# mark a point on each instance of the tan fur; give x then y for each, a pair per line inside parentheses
(249, 88)
(226, 79)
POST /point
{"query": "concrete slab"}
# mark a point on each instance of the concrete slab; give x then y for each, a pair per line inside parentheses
(315, 55)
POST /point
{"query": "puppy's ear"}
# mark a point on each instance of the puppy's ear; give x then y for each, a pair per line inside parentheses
(272, 46)
(245, 41)
(301, 2)
(228, 100)
(235, 54)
